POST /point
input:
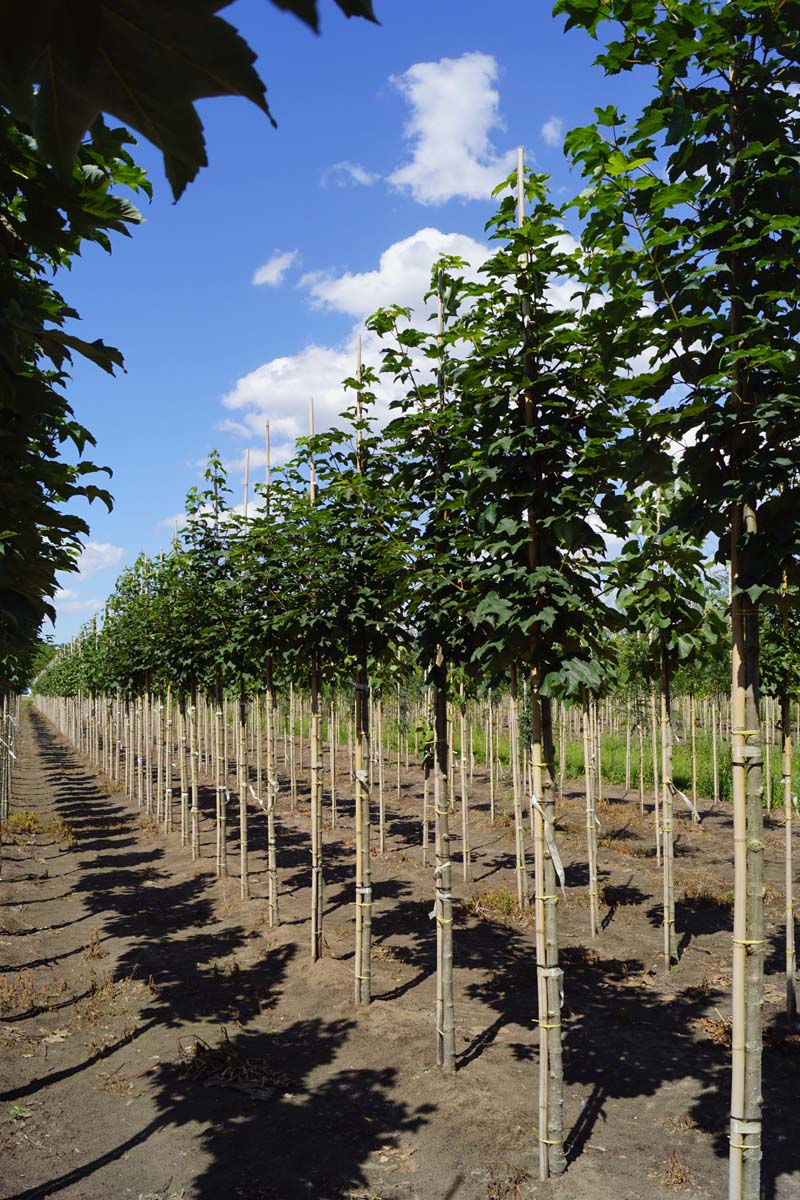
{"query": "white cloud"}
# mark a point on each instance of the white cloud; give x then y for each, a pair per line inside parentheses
(402, 276)
(273, 270)
(99, 556)
(95, 558)
(172, 523)
(341, 174)
(454, 109)
(552, 131)
(75, 604)
(280, 389)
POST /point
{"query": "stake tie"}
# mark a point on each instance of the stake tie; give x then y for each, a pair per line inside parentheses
(745, 1128)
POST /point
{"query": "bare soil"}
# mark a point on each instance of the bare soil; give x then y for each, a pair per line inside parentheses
(158, 1040)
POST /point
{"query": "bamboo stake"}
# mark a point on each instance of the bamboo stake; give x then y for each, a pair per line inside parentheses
(788, 804)
(362, 966)
(272, 798)
(242, 784)
(748, 931)
(316, 766)
(465, 841)
(714, 752)
(193, 770)
(654, 745)
(381, 794)
(443, 904)
(693, 729)
(219, 786)
(589, 766)
(670, 942)
(523, 895)
(168, 815)
(490, 759)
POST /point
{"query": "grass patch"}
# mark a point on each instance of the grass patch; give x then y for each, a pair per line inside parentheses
(22, 827)
(698, 896)
(20, 993)
(613, 765)
(500, 904)
(106, 999)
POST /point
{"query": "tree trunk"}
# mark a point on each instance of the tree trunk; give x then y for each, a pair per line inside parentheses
(317, 899)
(786, 729)
(670, 942)
(465, 842)
(552, 1160)
(362, 967)
(748, 913)
(242, 782)
(656, 785)
(442, 875)
(591, 818)
(193, 773)
(523, 894)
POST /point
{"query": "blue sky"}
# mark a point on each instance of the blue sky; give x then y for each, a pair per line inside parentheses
(389, 141)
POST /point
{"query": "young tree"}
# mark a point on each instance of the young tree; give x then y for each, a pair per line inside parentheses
(691, 209)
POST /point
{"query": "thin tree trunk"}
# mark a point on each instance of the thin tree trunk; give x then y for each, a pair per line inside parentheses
(332, 759)
(271, 717)
(654, 744)
(748, 916)
(591, 820)
(193, 772)
(363, 972)
(220, 743)
(523, 894)
(182, 751)
(490, 760)
(552, 1160)
(317, 899)
(442, 876)
(714, 750)
(670, 942)
(465, 841)
(381, 794)
(292, 750)
(786, 729)
(627, 746)
(242, 782)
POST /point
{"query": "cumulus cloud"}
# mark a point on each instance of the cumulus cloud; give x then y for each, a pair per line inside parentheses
(99, 556)
(552, 131)
(77, 605)
(402, 276)
(454, 109)
(173, 523)
(95, 558)
(342, 174)
(271, 273)
(281, 388)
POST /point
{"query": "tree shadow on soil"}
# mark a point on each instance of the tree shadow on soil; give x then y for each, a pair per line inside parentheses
(291, 1135)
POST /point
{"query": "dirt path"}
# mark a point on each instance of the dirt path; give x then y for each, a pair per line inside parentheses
(119, 958)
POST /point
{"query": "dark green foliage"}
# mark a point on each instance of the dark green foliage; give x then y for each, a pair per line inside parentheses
(146, 62)
(43, 224)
